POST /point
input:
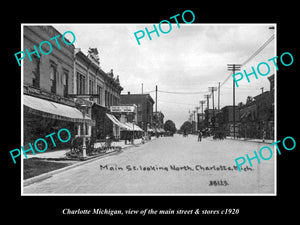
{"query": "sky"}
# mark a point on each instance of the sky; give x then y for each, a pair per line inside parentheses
(186, 60)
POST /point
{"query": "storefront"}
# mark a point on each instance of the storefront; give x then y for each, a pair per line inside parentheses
(125, 130)
(42, 117)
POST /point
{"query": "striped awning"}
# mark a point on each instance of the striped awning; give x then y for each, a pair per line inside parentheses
(53, 110)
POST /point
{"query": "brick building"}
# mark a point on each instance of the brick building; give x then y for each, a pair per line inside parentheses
(99, 88)
(47, 82)
(224, 119)
(144, 104)
(257, 115)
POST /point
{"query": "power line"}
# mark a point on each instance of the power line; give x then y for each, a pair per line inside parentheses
(259, 50)
(182, 93)
(178, 103)
(252, 56)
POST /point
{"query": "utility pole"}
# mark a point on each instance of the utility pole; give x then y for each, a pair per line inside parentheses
(194, 127)
(262, 89)
(202, 102)
(142, 89)
(156, 99)
(233, 68)
(212, 89)
(207, 99)
(197, 119)
(219, 97)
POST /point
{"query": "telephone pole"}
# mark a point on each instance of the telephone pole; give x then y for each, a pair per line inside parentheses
(219, 97)
(233, 68)
(207, 100)
(156, 99)
(142, 88)
(197, 119)
(202, 102)
(212, 89)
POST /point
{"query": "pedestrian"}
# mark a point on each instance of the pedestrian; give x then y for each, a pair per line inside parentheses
(199, 136)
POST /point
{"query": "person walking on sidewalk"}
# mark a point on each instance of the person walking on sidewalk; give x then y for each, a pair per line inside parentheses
(199, 136)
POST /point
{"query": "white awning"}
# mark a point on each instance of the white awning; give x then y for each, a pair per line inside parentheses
(117, 122)
(134, 127)
(54, 110)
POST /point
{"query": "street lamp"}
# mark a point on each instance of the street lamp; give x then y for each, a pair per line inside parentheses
(133, 132)
(84, 131)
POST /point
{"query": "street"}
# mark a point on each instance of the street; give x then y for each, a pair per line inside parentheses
(167, 165)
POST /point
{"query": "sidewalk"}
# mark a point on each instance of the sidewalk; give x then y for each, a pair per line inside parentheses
(59, 157)
(268, 141)
(61, 154)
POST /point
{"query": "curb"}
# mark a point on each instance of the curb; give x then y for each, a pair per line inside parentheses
(44, 176)
(249, 140)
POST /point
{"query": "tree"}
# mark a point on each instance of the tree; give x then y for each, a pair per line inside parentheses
(186, 126)
(170, 126)
(249, 100)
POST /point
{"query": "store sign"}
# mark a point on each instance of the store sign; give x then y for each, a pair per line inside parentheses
(123, 108)
(83, 101)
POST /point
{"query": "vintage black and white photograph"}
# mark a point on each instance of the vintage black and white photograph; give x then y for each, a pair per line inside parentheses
(148, 109)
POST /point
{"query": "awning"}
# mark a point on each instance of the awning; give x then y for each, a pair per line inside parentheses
(134, 127)
(117, 122)
(53, 110)
(162, 130)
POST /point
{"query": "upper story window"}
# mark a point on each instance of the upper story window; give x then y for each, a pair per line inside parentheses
(80, 83)
(91, 87)
(99, 91)
(53, 79)
(65, 83)
(36, 71)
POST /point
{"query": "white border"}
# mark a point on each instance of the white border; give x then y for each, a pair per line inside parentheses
(156, 194)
